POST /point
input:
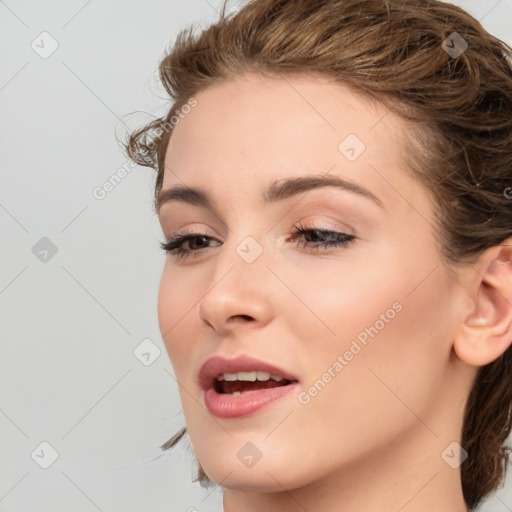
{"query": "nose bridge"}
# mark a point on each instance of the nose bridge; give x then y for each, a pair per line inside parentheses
(237, 285)
(243, 250)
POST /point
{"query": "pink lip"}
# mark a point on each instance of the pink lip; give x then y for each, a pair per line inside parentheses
(232, 406)
(217, 365)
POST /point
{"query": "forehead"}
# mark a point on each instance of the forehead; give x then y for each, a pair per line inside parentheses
(256, 129)
(233, 108)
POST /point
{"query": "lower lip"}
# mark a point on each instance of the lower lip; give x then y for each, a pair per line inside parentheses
(224, 405)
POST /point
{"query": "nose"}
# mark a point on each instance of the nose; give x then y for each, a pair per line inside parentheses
(238, 294)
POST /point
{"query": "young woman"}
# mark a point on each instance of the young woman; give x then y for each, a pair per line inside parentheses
(334, 186)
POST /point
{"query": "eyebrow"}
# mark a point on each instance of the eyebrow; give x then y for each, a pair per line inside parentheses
(277, 191)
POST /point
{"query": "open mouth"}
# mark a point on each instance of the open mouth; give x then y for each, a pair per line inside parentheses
(241, 383)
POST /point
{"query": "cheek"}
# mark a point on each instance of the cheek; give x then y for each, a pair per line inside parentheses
(176, 299)
(337, 301)
(390, 321)
(389, 387)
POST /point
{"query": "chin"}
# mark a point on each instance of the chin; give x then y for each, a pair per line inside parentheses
(253, 480)
(267, 475)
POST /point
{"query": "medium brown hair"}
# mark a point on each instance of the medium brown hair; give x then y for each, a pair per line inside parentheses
(400, 52)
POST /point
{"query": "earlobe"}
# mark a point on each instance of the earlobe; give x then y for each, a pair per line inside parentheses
(485, 332)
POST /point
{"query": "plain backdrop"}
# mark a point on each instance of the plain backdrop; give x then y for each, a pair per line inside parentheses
(87, 391)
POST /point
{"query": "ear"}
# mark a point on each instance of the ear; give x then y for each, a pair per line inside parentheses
(485, 331)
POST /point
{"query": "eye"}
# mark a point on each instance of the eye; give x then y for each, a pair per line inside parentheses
(173, 245)
(319, 237)
(315, 238)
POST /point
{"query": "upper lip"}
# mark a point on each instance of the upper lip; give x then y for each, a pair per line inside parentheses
(218, 364)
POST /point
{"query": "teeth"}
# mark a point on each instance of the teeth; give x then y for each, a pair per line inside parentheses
(249, 376)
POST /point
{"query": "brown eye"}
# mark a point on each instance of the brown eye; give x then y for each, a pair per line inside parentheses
(316, 238)
(174, 244)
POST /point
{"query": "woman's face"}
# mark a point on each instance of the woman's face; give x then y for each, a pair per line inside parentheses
(364, 327)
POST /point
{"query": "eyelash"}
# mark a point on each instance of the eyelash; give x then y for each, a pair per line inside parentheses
(173, 244)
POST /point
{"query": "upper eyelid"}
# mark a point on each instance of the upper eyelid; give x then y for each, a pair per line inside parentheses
(320, 223)
(311, 205)
(185, 232)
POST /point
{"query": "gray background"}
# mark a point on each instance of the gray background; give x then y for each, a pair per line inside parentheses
(71, 321)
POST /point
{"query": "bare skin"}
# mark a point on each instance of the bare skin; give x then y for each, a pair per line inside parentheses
(373, 437)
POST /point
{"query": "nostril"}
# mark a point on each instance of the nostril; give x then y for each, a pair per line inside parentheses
(244, 317)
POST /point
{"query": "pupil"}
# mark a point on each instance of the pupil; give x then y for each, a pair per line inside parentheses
(205, 241)
(315, 235)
